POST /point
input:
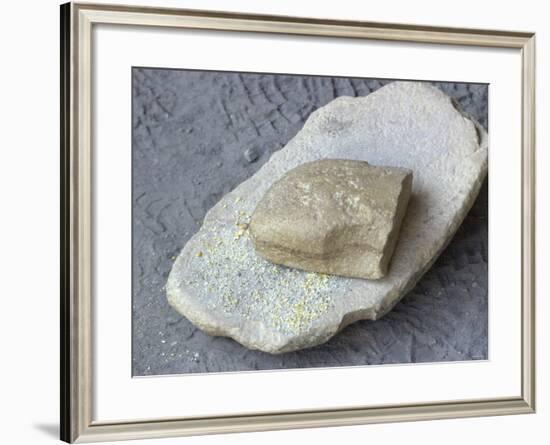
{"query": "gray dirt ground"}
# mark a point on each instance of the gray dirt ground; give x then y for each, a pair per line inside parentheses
(191, 130)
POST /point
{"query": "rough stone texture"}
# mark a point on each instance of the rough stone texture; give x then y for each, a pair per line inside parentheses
(223, 287)
(179, 119)
(333, 216)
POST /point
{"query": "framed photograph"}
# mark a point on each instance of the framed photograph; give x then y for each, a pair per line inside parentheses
(275, 222)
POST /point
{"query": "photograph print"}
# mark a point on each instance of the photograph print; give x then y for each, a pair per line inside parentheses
(289, 221)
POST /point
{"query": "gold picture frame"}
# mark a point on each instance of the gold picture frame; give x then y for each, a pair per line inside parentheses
(77, 21)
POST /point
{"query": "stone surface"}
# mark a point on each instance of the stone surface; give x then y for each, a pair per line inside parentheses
(219, 283)
(333, 216)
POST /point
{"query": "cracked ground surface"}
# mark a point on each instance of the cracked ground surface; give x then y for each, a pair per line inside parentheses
(198, 134)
